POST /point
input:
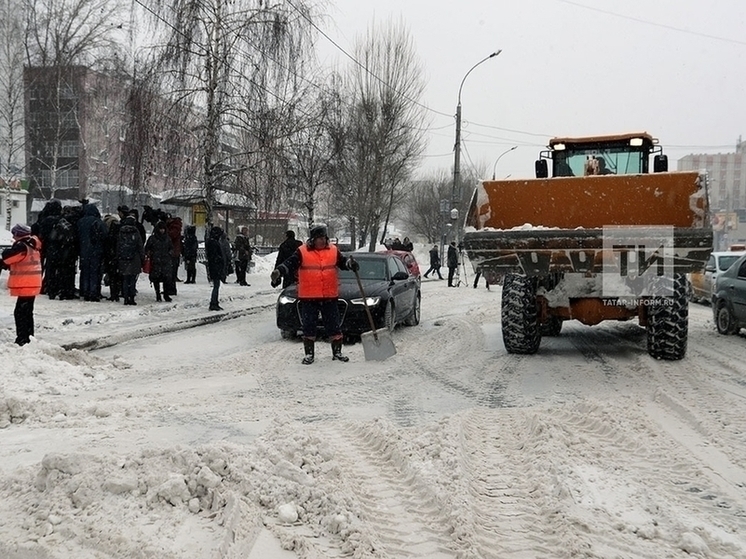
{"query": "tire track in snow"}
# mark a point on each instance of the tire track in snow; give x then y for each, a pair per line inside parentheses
(403, 515)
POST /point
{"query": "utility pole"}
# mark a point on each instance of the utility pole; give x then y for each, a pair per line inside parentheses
(455, 189)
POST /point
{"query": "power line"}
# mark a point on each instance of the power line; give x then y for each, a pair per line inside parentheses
(655, 24)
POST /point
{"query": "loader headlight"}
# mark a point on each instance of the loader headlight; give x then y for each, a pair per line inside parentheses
(285, 300)
(370, 301)
(635, 142)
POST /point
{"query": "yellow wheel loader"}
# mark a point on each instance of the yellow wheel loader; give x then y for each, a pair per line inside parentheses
(605, 237)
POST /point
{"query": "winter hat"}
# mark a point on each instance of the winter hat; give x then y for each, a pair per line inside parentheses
(318, 231)
(20, 230)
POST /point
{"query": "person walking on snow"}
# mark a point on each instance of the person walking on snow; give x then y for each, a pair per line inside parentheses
(434, 262)
(316, 263)
(23, 259)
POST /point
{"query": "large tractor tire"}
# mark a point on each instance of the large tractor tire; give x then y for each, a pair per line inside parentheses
(520, 316)
(668, 322)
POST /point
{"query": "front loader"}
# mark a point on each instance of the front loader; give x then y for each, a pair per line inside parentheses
(604, 238)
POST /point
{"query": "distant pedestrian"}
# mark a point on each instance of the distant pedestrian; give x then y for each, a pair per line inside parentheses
(452, 261)
(407, 245)
(23, 259)
(478, 275)
(130, 257)
(216, 265)
(91, 237)
(434, 262)
(242, 251)
(189, 253)
(174, 230)
(160, 250)
(225, 246)
(285, 251)
(112, 276)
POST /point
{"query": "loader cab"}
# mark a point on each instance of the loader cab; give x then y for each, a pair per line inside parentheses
(626, 154)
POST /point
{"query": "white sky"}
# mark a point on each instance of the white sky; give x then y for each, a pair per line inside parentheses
(670, 67)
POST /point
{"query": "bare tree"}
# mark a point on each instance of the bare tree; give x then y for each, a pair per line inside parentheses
(229, 60)
(422, 205)
(382, 139)
(11, 88)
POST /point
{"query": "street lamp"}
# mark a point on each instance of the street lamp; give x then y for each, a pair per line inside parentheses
(494, 167)
(457, 147)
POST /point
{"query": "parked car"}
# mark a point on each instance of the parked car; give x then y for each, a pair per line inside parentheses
(729, 300)
(392, 293)
(703, 282)
(407, 257)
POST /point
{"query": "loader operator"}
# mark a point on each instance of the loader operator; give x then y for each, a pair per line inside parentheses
(316, 263)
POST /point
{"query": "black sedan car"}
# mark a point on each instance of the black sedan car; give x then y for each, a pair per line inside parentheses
(392, 294)
(729, 298)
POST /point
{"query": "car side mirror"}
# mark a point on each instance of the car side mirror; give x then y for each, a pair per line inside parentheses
(660, 163)
(398, 276)
(541, 168)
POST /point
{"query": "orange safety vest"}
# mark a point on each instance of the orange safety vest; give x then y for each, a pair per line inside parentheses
(25, 272)
(317, 275)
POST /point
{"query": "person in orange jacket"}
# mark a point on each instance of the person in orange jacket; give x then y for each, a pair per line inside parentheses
(316, 263)
(24, 261)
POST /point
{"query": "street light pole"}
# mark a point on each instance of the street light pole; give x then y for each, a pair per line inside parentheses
(494, 167)
(457, 147)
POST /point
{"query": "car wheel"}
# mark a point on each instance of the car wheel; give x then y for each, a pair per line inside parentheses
(726, 322)
(287, 334)
(414, 318)
(389, 320)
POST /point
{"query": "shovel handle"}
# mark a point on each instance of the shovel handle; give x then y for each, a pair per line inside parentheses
(365, 304)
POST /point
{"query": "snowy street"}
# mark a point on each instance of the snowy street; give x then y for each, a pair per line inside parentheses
(213, 441)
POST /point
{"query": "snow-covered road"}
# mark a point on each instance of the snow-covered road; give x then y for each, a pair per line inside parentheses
(206, 442)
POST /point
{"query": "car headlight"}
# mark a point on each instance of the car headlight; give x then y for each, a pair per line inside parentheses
(285, 300)
(370, 301)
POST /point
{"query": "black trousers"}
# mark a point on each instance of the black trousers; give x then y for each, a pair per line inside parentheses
(451, 273)
(241, 267)
(309, 312)
(24, 315)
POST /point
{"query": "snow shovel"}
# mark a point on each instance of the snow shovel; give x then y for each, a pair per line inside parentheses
(377, 344)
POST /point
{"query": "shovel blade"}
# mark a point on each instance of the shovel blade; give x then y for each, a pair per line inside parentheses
(378, 349)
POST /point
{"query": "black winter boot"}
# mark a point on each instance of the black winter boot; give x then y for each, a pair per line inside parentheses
(337, 352)
(308, 346)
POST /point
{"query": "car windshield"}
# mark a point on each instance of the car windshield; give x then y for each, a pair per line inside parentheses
(369, 270)
(726, 262)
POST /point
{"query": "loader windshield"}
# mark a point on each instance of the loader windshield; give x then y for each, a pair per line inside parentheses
(578, 161)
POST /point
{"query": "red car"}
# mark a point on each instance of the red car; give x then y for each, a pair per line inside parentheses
(408, 258)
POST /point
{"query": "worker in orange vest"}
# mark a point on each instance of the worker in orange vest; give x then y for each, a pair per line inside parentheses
(316, 263)
(24, 261)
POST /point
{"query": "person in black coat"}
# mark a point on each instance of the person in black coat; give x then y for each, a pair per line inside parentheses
(130, 256)
(91, 236)
(216, 265)
(160, 250)
(452, 261)
(286, 250)
(189, 252)
(434, 262)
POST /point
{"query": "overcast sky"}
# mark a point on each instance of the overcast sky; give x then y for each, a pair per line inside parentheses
(674, 68)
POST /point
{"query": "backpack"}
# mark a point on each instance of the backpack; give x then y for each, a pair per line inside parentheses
(128, 247)
(62, 233)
